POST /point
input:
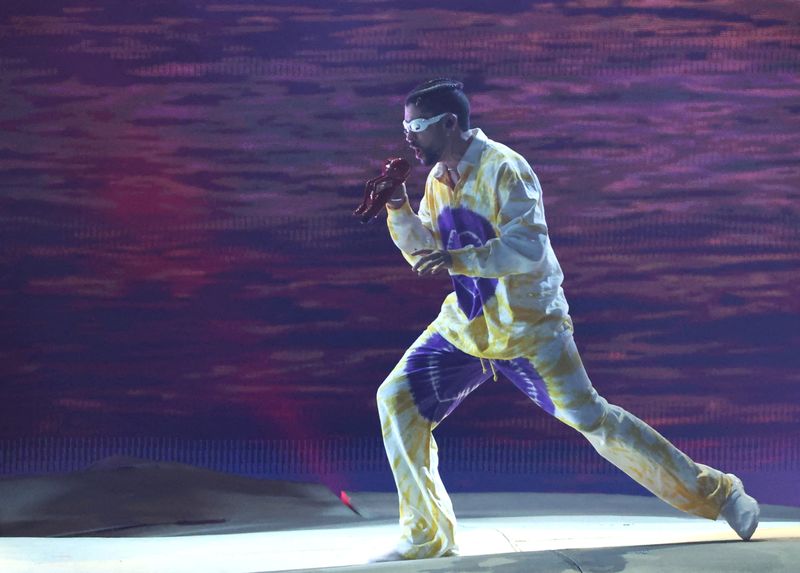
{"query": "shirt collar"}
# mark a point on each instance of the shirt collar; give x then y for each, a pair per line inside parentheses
(472, 155)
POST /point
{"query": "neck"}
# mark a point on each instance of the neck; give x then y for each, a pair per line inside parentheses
(455, 149)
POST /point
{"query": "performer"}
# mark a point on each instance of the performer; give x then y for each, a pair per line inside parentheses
(482, 220)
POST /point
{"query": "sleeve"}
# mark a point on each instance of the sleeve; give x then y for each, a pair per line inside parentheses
(521, 246)
(411, 232)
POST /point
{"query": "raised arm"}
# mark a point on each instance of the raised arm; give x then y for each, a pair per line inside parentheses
(410, 232)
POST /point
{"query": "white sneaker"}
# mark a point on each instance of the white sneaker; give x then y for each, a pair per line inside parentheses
(395, 555)
(740, 510)
(453, 552)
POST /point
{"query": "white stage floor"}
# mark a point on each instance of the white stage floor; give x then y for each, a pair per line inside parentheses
(304, 549)
(139, 517)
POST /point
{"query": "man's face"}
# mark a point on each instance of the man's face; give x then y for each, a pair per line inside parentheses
(429, 143)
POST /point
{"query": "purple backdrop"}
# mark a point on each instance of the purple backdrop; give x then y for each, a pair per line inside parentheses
(182, 277)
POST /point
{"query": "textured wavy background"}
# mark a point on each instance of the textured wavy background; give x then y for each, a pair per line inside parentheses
(182, 277)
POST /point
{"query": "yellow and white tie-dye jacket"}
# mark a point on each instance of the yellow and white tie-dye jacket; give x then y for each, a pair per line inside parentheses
(507, 281)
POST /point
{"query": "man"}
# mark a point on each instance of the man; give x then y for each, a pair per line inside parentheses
(482, 220)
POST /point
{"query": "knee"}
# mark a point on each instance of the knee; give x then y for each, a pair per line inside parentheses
(388, 395)
(383, 396)
(585, 415)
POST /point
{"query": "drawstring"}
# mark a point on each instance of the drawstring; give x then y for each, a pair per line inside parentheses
(483, 367)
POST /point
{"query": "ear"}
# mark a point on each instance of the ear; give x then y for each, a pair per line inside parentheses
(451, 122)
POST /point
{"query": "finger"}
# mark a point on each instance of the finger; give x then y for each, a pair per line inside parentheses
(444, 266)
(432, 269)
(422, 252)
(423, 260)
(422, 266)
(430, 262)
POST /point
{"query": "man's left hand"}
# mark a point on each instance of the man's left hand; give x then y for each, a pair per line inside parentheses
(432, 262)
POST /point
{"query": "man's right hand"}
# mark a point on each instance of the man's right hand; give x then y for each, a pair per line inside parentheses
(380, 189)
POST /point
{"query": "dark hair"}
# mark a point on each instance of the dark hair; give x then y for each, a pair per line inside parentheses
(440, 96)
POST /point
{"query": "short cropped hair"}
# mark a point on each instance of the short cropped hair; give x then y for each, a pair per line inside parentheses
(442, 95)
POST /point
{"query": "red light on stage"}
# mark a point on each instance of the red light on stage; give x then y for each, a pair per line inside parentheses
(346, 500)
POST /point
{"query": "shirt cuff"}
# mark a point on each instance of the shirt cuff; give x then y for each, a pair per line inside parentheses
(404, 209)
(463, 260)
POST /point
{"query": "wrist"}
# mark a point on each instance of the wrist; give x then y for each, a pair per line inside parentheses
(396, 203)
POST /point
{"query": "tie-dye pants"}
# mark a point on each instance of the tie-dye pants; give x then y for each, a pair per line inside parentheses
(433, 377)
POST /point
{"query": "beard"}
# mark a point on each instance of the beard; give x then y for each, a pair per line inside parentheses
(428, 156)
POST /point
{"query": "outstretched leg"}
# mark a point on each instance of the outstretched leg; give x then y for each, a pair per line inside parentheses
(431, 379)
(556, 380)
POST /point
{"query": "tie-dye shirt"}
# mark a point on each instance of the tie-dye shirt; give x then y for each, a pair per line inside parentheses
(506, 278)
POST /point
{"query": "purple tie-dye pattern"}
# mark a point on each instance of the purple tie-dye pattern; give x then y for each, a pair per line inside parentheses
(459, 228)
(441, 376)
(523, 375)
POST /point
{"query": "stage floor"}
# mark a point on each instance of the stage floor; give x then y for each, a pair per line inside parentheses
(138, 517)
(560, 532)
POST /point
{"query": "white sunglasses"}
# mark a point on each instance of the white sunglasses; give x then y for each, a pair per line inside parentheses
(421, 124)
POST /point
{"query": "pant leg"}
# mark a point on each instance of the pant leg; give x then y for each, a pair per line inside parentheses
(554, 377)
(431, 379)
